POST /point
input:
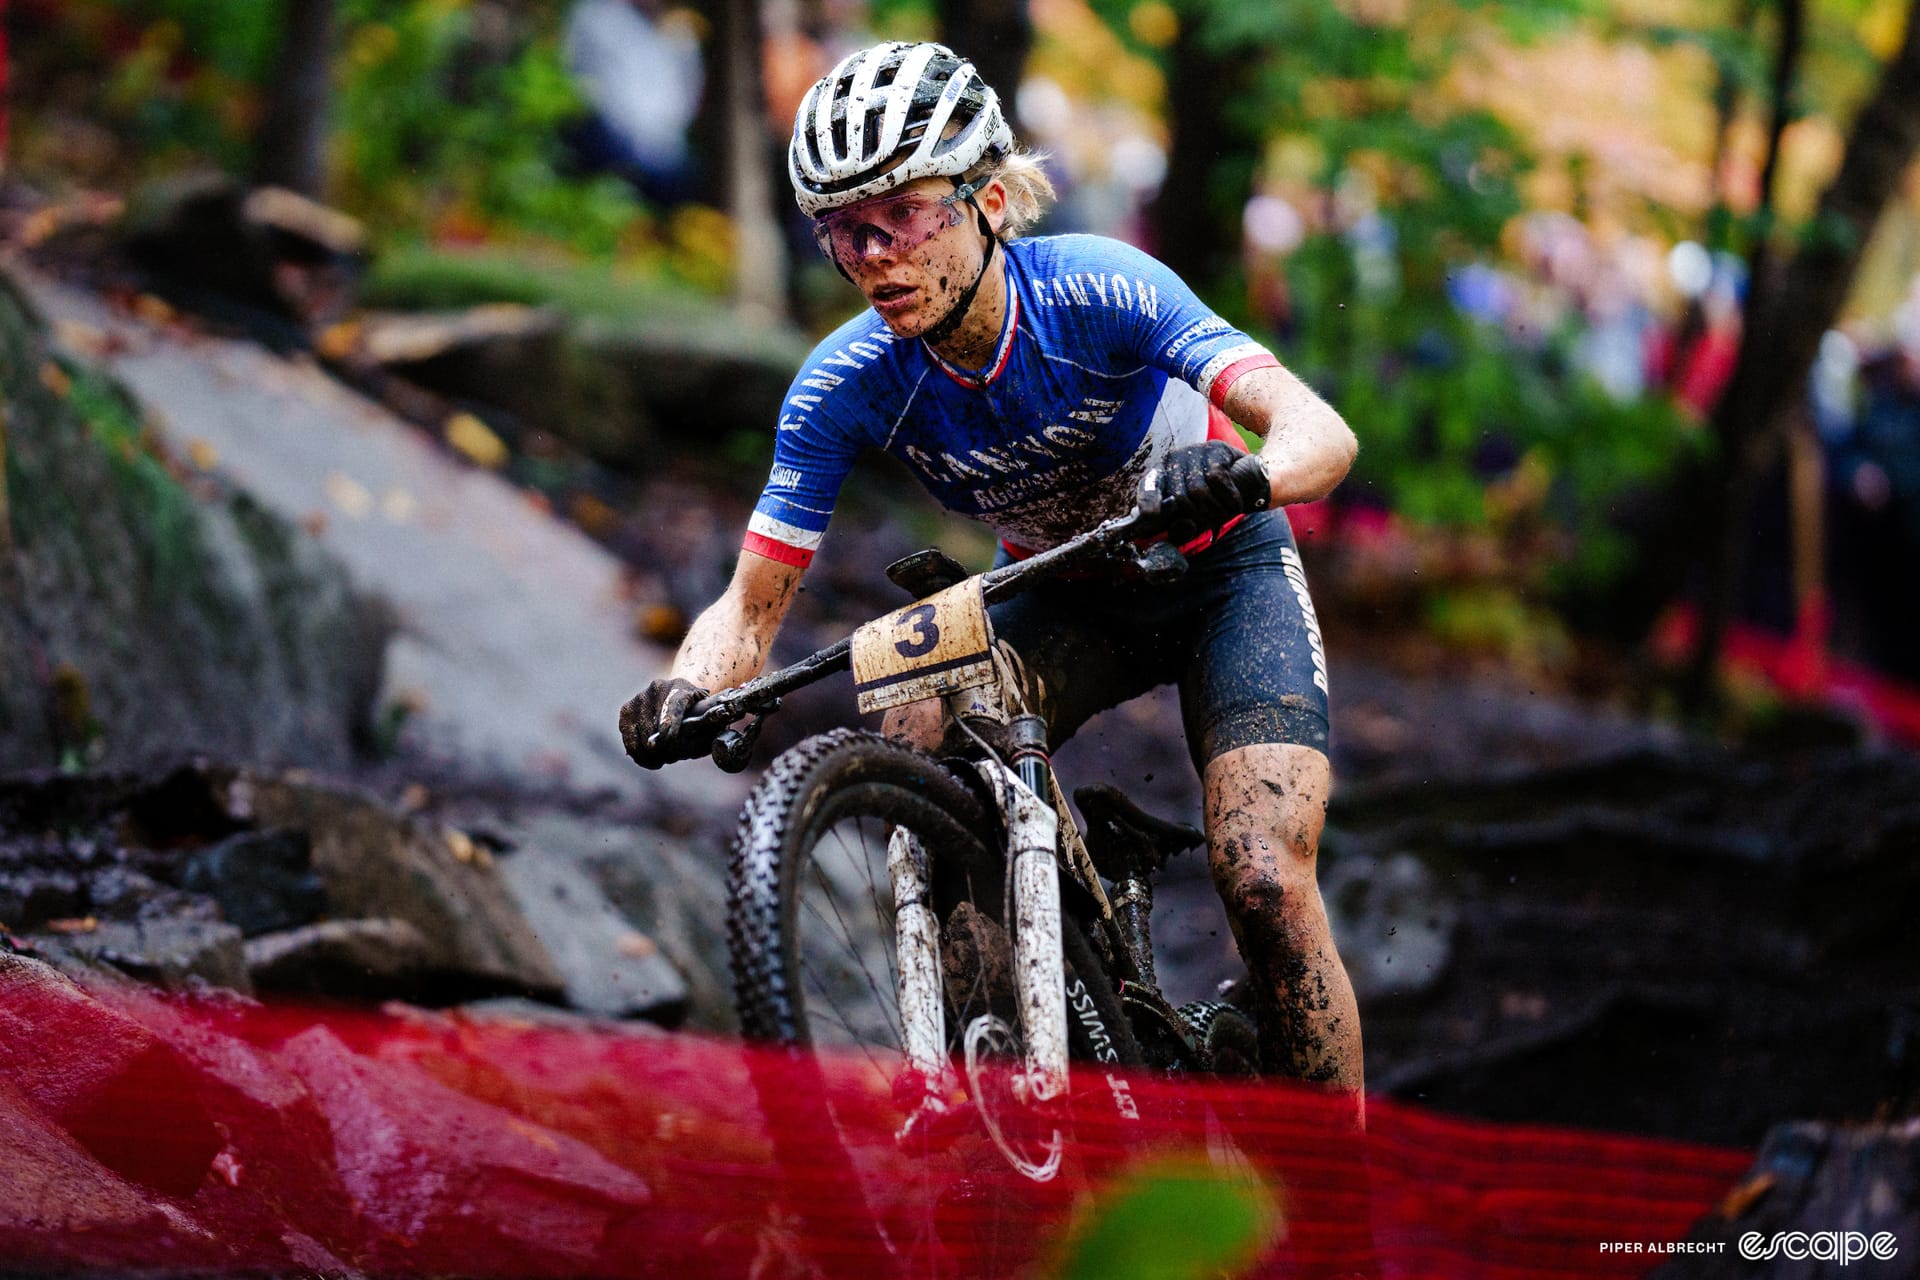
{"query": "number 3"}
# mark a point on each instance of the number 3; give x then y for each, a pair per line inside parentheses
(925, 633)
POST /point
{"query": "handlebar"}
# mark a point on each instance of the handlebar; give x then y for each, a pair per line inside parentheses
(707, 726)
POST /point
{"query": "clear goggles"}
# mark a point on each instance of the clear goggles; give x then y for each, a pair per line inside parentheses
(889, 224)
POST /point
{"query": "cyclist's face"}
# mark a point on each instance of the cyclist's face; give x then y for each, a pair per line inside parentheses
(912, 252)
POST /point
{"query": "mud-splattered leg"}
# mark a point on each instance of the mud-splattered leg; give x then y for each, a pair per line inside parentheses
(1265, 807)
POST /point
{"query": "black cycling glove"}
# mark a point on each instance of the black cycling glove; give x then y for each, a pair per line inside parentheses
(651, 720)
(1202, 486)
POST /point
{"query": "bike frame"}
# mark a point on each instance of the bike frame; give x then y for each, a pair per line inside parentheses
(1034, 820)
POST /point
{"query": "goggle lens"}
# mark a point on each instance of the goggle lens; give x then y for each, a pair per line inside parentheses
(897, 224)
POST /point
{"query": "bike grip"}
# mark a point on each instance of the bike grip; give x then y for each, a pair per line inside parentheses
(1249, 476)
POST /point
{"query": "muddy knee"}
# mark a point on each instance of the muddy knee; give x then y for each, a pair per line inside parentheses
(1272, 901)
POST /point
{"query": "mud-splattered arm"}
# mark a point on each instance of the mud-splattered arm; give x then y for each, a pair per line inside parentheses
(729, 642)
(1308, 448)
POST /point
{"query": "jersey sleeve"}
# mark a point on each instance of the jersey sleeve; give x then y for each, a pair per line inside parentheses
(1169, 328)
(812, 454)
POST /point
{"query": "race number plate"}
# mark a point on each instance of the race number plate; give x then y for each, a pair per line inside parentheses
(934, 647)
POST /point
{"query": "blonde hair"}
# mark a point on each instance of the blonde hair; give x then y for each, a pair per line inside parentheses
(1029, 190)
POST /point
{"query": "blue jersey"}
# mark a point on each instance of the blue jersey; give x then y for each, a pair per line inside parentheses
(1106, 361)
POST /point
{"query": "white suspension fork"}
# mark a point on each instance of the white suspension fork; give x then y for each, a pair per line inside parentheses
(917, 945)
(1040, 979)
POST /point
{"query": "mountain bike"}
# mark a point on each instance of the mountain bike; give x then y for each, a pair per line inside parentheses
(945, 915)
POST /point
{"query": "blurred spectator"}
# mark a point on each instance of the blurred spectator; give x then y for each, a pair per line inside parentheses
(1874, 488)
(1695, 361)
(640, 72)
(1271, 228)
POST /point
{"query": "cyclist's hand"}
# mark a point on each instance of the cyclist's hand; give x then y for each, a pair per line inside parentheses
(650, 722)
(1202, 486)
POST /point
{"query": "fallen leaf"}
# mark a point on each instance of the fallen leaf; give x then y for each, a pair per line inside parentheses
(1745, 1196)
(349, 495)
(76, 924)
(154, 311)
(461, 844)
(592, 515)
(82, 338)
(337, 341)
(476, 441)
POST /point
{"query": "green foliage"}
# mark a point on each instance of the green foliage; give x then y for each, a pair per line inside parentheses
(444, 117)
(432, 126)
(1445, 407)
(1420, 185)
(187, 85)
(170, 541)
(1172, 1219)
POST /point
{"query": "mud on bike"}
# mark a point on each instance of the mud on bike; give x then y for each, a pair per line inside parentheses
(947, 917)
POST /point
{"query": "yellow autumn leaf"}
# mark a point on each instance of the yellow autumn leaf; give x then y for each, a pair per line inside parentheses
(349, 495)
(476, 441)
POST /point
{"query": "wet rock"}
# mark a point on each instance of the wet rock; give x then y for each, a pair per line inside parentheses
(147, 611)
(271, 1193)
(65, 1210)
(1392, 921)
(520, 360)
(160, 879)
(442, 1179)
(243, 254)
(1852, 1194)
(1632, 933)
(706, 387)
(263, 881)
(672, 888)
(438, 880)
(610, 967)
(120, 1092)
(369, 959)
(170, 950)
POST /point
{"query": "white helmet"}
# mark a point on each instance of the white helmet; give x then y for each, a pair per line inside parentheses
(886, 116)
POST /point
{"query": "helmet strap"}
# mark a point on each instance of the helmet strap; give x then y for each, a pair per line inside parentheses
(950, 323)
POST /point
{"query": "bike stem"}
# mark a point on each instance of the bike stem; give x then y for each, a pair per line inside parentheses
(760, 695)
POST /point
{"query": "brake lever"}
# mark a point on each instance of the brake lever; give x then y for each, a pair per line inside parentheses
(733, 748)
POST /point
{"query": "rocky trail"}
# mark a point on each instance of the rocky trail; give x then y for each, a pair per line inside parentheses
(1553, 911)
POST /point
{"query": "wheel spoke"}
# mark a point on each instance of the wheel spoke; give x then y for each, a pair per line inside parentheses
(853, 947)
(854, 962)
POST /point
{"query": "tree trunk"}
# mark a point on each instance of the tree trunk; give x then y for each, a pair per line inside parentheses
(1785, 321)
(747, 159)
(292, 144)
(1195, 219)
(4, 86)
(996, 35)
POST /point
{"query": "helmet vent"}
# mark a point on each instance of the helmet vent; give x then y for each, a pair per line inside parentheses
(886, 116)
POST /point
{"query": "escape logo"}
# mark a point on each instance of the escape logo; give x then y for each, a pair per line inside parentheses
(1842, 1247)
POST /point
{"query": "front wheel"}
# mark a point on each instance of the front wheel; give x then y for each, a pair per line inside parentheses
(811, 915)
